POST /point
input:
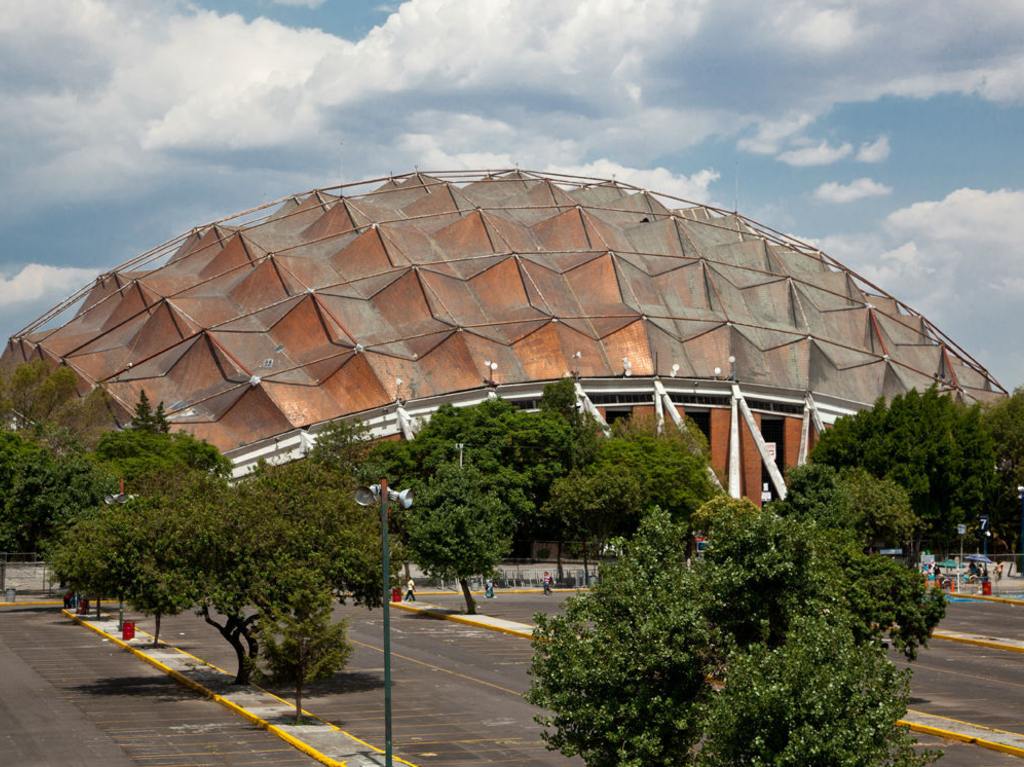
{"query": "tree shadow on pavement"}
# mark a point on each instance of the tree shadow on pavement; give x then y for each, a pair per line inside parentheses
(136, 686)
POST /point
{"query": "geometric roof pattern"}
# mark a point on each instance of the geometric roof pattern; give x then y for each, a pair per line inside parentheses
(341, 300)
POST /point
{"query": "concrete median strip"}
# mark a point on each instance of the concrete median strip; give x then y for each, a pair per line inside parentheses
(321, 740)
(918, 721)
(523, 630)
(980, 640)
(987, 737)
(985, 598)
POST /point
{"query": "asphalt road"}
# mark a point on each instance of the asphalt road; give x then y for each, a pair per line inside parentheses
(457, 694)
(69, 699)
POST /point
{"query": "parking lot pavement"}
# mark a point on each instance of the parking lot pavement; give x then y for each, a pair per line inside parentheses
(513, 607)
(69, 699)
(994, 618)
(457, 695)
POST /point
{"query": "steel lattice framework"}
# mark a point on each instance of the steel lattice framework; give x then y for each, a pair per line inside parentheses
(348, 300)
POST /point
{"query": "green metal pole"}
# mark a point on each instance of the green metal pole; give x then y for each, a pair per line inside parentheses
(386, 566)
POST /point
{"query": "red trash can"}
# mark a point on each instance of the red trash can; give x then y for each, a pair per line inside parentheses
(128, 630)
(396, 594)
(986, 587)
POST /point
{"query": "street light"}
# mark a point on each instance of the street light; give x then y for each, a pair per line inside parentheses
(490, 367)
(113, 500)
(368, 496)
(1020, 543)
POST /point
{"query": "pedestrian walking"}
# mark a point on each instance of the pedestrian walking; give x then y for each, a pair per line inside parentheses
(547, 583)
(410, 591)
(999, 571)
(489, 589)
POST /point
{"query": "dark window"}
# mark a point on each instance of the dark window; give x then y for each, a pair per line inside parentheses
(611, 416)
(703, 420)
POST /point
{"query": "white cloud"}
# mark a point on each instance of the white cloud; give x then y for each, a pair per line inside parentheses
(148, 101)
(772, 134)
(833, 191)
(876, 151)
(34, 282)
(692, 188)
(818, 154)
(958, 261)
(300, 3)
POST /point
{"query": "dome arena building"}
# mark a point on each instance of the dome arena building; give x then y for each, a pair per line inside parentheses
(382, 300)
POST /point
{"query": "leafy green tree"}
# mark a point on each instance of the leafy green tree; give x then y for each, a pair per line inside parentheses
(1004, 422)
(747, 657)
(459, 526)
(931, 445)
(876, 511)
(887, 600)
(157, 536)
(667, 472)
(145, 458)
(43, 492)
(760, 572)
(624, 670)
(519, 454)
(848, 511)
(43, 401)
(247, 540)
(595, 506)
(300, 642)
(820, 698)
(93, 556)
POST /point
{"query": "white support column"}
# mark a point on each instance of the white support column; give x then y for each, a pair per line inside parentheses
(805, 429)
(588, 407)
(659, 408)
(769, 463)
(405, 422)
(662, 396)
(734, 449)
(819, 427)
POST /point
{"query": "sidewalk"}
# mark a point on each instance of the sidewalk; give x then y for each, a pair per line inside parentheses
(320, 740)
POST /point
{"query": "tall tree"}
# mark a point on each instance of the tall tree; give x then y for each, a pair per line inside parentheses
(623, 672)
(595, 506)
(459, 526)
(931, 445)
(44, 493)
(279, 520)
(1004, 421)
(755, 657)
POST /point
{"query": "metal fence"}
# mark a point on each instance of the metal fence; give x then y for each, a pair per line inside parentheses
(26, 573)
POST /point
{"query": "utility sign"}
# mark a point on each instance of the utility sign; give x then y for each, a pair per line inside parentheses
(983, 519)
(769, 448)
(961, 529)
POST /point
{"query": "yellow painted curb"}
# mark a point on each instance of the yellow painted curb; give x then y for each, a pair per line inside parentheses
(466, 619)
(232, 706)
(983, 598)
(942, 733)
(35, 603)
(991, 643)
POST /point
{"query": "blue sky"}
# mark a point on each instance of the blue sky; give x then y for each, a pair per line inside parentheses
(888, 133)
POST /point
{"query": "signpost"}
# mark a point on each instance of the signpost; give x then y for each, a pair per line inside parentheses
(961, 530)
(985, 533)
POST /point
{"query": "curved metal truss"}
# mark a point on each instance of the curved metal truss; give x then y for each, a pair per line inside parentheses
(348, 299)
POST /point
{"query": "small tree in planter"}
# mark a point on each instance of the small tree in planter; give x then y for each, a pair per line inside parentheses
(299, 642)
